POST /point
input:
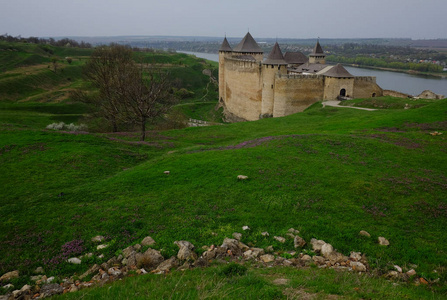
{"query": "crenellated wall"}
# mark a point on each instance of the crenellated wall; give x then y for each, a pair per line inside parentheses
(294, 93)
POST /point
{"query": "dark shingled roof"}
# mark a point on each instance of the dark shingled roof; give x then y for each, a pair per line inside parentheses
(310, 68)
(225, 46)
(248, 45)
(338, 71)
(275, 57)
(318, 51)
(295, 58)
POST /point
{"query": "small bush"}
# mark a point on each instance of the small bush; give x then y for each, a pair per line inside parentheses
(233, 269)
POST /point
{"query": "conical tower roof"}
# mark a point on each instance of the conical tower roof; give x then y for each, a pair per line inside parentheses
(338, 71)
(225, 47)
(248, 45)
(275, 57)
(318, 51)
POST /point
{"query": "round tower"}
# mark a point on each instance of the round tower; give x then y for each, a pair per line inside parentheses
(274, 64)
(224, 51)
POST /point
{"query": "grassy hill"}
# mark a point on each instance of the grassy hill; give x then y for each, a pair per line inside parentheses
(328, 172)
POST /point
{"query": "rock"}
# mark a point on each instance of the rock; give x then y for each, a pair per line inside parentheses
(317, 244)
(39, 270)
(280, 239)
(398, 269)
(48, 290)
(103, 246)
(137, 247)
(423, 281)
(292, 230)
(269, 249)
(50, 279)
(306, 257)
(383, 241)
(92, 270)
(358, 266)
(393, 274)
(327, 250)
(242, 177)
(74, 260)
(287, 262)
(299, 242)
(167, 172)
(8, 286)
(245, 228)
(73, 288)
(147, 241)
(98, 239)
(290, 235)
(265, 233)
(128, 251)
(25, 289)
(355, 256)
(186, 250)
(101, 256)
(411, 272)
(319, 260)
(231, 244)
(115, 272)
(336, 258)
(168, 265)
(10, 275)
(364, 233)
(149, 259)
(267, 258)
(35, 278)
(237, 236)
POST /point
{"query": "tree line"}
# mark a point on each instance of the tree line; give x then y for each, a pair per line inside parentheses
(50, 41)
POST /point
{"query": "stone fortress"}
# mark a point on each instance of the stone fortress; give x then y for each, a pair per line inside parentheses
(251, 87)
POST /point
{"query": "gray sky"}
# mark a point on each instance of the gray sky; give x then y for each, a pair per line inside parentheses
(416, 19)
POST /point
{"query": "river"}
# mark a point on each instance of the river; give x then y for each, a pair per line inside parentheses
(401, 82)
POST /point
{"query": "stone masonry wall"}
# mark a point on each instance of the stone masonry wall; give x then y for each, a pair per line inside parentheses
(366, 87)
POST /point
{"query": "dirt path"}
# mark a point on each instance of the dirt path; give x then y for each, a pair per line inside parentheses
(336, 104)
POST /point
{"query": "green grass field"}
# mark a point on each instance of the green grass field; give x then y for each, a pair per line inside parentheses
(328, 172)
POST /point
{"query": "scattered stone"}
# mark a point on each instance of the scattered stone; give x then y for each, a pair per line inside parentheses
(168, 265)
(92, 270)
(267, 258)
(290, 235)
(355, 256)
(319, 260)
(242, 177)
(423, 281)
(116, 272)
(137, 247)
(293, 231)
(269, 249)
(364, 233)
(10, 275)
(317, 244)
(167, 172)
(8, 286)
(103, 246)
(287, 262)
(74, 260)
(98, 239)
(101, 256)
(411, 272)
(327, 250)
(128, 251)
(39, 270)
(48, 290)
(147, 241)
(280, 239)
(306, 257)
(73, 289)
(237, 235)
(299, 242)
(393, 274)
(398, 269)
(383, 241)
(245, 228)
(25, 289)
(358, 266)
(35, 278)
(265, 233)
(185, 252)
(50, 279)
(149, 259)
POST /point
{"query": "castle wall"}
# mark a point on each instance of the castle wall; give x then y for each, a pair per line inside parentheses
(243, 88)
(268, 87)
(366, 87)
(294, 93)
(333, 86)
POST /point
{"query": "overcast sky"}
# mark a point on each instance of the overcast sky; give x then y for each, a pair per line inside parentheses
(418, 19)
